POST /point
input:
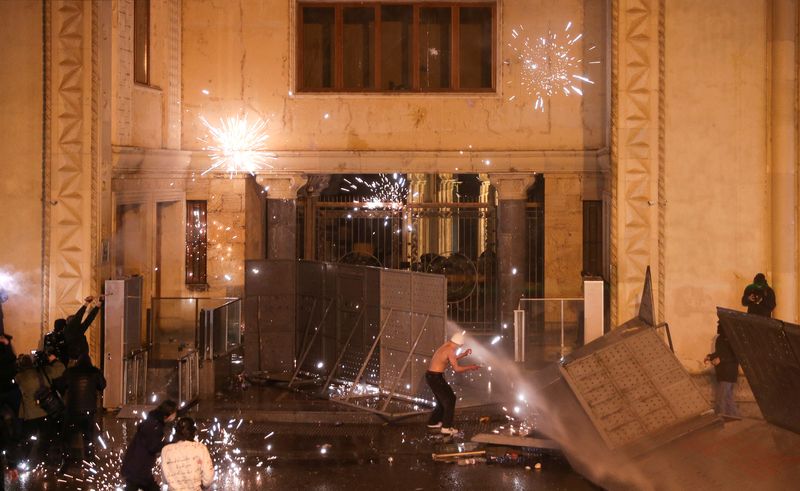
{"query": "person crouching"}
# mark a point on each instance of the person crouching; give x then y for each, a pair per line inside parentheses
(140, 456)
(186, 464)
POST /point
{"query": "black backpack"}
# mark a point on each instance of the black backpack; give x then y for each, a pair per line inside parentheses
(46, 397)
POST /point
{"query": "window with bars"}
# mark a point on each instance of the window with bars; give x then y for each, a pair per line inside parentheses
(141, 41)
(196, 243)
(390, 47)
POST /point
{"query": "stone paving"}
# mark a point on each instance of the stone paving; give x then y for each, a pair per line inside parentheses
(266, 438)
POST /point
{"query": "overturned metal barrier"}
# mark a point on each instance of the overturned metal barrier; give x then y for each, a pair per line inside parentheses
(769, 352)
(628, 416)
(359, 335)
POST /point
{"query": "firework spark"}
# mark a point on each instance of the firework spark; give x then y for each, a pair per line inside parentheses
(385, 192)
(237, 145)
(548, 64)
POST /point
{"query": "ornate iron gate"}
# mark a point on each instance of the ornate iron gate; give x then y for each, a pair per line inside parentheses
(454, 239)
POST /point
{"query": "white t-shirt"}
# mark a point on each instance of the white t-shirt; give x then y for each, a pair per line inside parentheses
(186, 466)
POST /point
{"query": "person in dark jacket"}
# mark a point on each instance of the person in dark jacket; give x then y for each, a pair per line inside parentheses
(81, 386)
(35, 420)
(10, 398)
(759, 297)
(75, 329)
(55, 343)
(726, 367)
(140, 457)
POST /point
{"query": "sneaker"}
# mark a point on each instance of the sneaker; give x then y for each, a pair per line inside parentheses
(449, 431)
(436, 426)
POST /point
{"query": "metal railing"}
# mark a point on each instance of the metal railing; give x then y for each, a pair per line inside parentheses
(220, 330)
(135, 376)
(542, 325)
(188, 377)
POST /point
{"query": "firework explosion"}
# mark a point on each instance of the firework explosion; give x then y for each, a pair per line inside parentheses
(236, 145)
(548, 65)
(385, 192)
(103, 474)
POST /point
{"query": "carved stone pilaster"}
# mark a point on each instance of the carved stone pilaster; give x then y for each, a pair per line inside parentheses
(637, 153)
(282, 186)
(70, 260)
(512, 186)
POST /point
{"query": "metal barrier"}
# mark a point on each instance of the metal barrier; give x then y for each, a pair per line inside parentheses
(536, 320)
(188, 378)
(220, 330)
(135, 376)
(358, 335)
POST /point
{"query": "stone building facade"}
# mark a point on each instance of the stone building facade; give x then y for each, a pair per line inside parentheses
(688, 138)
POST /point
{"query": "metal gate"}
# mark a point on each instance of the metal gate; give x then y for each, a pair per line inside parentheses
(453, 239)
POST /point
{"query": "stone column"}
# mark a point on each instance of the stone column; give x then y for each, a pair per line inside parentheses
(445, 194)
(417, 239)
(483, 227)
(511, 236)
(563, 235)
(783, 133)
(281, 213)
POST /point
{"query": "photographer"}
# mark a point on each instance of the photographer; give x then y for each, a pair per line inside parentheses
(38, 419)
(759, 297)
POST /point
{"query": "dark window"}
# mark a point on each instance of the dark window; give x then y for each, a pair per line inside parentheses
(317, 47)
(593, 238)
(141, 41)
(196, 242)
(396, 47)
(358, 48)
(475, 47)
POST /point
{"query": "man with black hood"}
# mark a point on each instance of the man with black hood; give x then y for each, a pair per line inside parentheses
(76, 326)
(140, 456)
(758, 297)
(81, 385)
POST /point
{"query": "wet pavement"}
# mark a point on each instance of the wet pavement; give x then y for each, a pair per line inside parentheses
(271, 438)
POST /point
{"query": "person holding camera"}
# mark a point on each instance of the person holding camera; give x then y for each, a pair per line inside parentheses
(42, 407)
(759, 297)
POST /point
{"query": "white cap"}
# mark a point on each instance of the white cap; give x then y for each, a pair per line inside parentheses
(457, 338)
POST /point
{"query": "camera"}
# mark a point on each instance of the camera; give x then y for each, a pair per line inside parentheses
(41, 358)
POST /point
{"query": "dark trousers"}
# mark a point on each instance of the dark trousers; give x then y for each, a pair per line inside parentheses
(145, 486)
(445, 399)
(46, 432)
(83, 423)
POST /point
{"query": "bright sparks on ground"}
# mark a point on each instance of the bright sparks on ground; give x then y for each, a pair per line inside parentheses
(548, 65)
(237, 145)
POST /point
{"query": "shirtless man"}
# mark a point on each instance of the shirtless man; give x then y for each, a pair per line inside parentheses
(442, 416)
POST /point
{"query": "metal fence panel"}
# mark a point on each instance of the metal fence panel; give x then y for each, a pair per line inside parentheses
(633, 388)
(768, 352)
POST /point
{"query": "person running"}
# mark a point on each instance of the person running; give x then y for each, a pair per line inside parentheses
(186, 464)
(442, 415)
(140, 457)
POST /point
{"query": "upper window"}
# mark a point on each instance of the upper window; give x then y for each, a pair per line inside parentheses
(395, 47)
(141, 41)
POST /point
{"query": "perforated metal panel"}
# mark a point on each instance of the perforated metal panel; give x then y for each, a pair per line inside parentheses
(769, 352)
(634, 388)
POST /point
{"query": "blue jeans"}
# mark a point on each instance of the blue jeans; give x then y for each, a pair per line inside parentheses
(723, 399)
